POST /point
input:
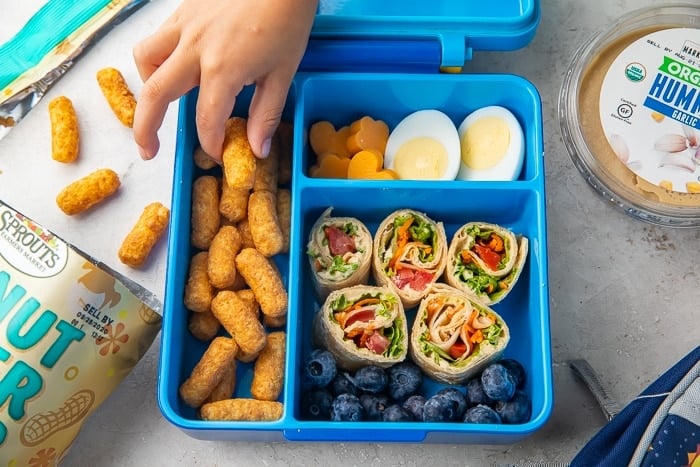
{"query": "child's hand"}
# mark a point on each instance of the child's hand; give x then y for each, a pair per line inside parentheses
(222, 45)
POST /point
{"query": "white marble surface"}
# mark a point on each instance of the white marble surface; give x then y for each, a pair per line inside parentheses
(622, 292)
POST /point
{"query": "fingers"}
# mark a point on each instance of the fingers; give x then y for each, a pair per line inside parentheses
(175, 77)
(217, 96)
(150, 53)
(265, 112)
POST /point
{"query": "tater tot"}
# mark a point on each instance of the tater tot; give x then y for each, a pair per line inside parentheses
(203, 325)
(209, 371)
(238, 158)
(139, 242)
(241, 409)
(243, 325)
(264, 280)
(90, 190)
(246, 235)
(205, 219)
(198, 290)
(268, 373)
(224, 390)
(264, 226)
(118, 95)
(233, 204)
(285, 131)
(284, 216)
(65, 133)
(266, 170)
(222, 257)
(202, 159)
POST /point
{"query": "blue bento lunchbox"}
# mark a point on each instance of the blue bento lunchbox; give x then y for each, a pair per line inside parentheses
(381, 59)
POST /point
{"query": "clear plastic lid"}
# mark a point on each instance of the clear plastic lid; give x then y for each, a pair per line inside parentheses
(629, 112)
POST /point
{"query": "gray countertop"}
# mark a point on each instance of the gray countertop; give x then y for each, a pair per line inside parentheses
(622, 293)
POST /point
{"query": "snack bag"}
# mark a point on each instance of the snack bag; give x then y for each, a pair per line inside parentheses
(70, 330)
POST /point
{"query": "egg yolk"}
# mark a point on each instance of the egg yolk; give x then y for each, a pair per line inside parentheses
(485, 143)
(421, 158)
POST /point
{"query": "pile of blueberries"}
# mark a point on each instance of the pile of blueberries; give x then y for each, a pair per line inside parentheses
(372, 393)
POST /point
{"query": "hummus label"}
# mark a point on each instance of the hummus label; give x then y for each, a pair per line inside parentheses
(650, 108)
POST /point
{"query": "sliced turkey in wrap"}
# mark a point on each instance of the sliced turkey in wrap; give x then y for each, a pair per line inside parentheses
(454, 337)
(409, 254)
(485, 261)
(362, 325)
(340, 253)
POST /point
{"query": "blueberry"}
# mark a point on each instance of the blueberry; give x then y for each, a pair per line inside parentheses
(373, 405)
(316, 404)
(405, 379)
(396, 413)
(498, 382)
(439, 409)
(341, 384)
(371, 378)
(414, 405)
(481, 414)
(346, 407)
(516, 410)
(516, 370)
(319, 369)
(457, 396)
(475, 393)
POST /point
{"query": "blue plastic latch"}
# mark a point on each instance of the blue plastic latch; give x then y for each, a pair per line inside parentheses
(454, 50)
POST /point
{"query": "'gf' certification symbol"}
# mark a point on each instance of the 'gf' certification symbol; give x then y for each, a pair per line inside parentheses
(624, 110)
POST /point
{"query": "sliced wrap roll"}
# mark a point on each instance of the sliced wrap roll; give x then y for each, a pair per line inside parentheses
(485, 261)
(340, 253)
(454, 336)
(362, 325)
(409, 254)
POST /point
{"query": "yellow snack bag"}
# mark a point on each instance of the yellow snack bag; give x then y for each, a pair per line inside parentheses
(71, 329)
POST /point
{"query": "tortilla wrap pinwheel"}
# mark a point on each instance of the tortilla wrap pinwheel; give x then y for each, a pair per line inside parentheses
(485, 261)
(362, 325)
(454, 336)
(409, 254)
(340, 253)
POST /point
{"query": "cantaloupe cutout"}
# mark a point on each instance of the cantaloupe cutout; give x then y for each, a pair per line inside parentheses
(368, 165)
(325, 139)
(330, 166)
(368, 133)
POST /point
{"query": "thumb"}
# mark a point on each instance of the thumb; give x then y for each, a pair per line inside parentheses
(265, 113)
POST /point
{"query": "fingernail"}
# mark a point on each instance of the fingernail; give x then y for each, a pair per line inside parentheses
(265, 150)
(144, 154)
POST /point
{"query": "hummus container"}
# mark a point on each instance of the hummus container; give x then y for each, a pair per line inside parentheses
(629, 111)
(340, 96)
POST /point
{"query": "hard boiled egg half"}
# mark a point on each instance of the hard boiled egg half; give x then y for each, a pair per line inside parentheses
(492, 145)
(424, 146)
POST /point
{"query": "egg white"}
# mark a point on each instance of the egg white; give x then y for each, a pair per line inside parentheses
(509, 165)
(427, 123)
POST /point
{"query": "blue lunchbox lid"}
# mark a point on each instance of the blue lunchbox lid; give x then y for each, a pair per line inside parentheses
(415, 34)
